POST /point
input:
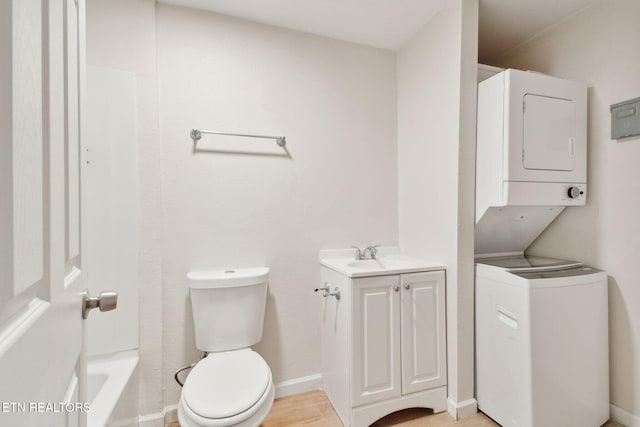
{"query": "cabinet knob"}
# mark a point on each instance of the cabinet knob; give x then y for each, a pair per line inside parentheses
(407, 286)
(396, 288)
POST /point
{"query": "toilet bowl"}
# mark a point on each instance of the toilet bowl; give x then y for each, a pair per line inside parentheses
(232, 388)
(232, 385)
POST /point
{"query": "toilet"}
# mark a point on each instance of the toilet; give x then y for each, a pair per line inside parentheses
(232, 385)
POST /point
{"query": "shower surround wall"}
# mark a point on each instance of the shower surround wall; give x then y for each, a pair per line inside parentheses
(227, 206)
(112, 25)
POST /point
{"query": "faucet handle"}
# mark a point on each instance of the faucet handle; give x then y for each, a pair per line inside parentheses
(359, 252)
(373, 251)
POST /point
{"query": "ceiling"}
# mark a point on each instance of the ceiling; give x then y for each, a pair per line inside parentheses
(389, 24)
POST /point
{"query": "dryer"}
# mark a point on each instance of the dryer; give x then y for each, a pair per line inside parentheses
(531, 157)
(541, 342)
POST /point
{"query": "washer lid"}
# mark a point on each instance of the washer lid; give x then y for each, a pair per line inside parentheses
(524, 263)
(558, 274)
(226, 384)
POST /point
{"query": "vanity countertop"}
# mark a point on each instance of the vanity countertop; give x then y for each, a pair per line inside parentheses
(388, 261)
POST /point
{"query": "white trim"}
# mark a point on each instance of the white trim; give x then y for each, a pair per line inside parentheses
(623, 417)
(22, 323)
(170, 414)
(461, 410)
(151, 420)
(366, 414)
(298, 385)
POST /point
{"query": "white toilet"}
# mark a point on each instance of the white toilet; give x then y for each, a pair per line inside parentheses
(232, 386)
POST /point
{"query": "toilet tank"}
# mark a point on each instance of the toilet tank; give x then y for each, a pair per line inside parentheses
(228, 307)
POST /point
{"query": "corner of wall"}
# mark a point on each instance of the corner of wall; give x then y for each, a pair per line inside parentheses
(436, 168)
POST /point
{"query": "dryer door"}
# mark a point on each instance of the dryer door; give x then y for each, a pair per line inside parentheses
(545, 129)
(548, 133)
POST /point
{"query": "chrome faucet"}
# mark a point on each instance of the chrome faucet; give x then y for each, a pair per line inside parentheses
(362, 253)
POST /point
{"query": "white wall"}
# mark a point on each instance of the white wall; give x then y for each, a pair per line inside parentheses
(110, 207)
(121, 35)
(600, 46)
(436, 157)
(336, 104)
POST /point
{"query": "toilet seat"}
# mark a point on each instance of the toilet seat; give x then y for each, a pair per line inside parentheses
(227, 389)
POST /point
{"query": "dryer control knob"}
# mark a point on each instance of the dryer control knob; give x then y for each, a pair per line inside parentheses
(573, 192)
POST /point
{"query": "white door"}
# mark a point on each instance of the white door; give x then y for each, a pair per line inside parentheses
(41, 278)
(375, 339)
(424, 362)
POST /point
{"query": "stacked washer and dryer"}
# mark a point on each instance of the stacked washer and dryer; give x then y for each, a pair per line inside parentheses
(541, 323)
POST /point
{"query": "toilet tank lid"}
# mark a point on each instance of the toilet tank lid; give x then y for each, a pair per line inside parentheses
(227, 278)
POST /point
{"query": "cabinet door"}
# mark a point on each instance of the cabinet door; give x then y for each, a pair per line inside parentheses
(423, 331)
(375, 366)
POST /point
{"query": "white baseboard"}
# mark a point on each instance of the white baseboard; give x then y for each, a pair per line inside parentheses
(285, 388)
(623, 417)
(170, 414)
(460, 410)
(298, 385)
(151, 420)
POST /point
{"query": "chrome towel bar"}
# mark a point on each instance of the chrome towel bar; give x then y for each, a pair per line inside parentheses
(196, 135)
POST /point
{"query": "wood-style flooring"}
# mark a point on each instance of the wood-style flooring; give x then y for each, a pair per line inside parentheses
(312, 409)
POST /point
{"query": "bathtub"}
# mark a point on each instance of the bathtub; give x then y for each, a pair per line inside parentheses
(112, 390)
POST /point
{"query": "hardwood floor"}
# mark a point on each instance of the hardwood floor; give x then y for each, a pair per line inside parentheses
(312, 409)
(424, 418)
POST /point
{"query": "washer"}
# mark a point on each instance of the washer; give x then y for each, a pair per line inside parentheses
(541, 342)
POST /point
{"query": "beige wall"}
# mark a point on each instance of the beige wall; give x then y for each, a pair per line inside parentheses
(436, 163)
(600, 47)
(121, 35)
(336, 104)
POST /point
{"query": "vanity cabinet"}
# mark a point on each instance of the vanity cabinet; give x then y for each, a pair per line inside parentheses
(383, 344)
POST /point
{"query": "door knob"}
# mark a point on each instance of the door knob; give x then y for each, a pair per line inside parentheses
(107, 301)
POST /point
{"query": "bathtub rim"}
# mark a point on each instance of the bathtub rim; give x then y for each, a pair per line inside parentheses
(119, 368)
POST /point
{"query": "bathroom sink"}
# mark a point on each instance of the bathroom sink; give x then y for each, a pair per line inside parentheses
(389, 261)
(379, 264)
